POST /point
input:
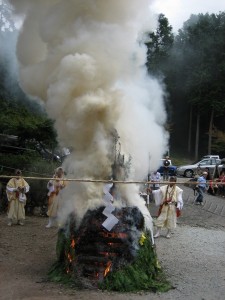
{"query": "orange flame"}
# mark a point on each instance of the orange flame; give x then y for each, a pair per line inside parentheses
(107, 268)
(69, 257)
(121, 235)
(72, 245)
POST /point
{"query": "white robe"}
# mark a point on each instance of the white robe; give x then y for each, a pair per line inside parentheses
(168, 215)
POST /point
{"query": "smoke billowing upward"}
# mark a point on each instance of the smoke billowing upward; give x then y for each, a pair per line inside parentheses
(85, 60)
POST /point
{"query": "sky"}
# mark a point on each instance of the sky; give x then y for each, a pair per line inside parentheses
(179, 11)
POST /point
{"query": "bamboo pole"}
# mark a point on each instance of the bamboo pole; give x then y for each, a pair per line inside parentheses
(110, 181)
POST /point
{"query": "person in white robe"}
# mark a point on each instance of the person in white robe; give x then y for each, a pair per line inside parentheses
(16, 190)
(54, 196)
(169, 199)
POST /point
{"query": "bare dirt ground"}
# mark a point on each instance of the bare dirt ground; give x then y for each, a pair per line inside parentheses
(193, 259)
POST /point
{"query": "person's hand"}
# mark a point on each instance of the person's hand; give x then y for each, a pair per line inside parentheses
(148, 190)
(22, 190)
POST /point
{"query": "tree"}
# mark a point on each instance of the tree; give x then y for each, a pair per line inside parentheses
(19, 115)
(158, 46)
(198, 54)
(219, 140)
(17, 119)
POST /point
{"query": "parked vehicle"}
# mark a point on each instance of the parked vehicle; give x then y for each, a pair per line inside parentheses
(190, 170)
(210, 156)
(172, 169)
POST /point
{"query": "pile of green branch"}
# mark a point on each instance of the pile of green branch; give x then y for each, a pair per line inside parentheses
(144, 273)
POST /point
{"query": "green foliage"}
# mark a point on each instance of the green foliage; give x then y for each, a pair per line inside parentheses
(194, 75)
(201, 43)
(158, 46)
(17, 120)
(20, 115)
(61, 269)
(32, 165)
(218, 140)
(30, 162)
(62, 246)
(57, 274)
(143, 274)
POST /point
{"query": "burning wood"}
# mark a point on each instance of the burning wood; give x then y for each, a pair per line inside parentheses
(92, 255)
(93, 250)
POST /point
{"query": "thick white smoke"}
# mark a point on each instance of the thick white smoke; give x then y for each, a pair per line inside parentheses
(85, 59)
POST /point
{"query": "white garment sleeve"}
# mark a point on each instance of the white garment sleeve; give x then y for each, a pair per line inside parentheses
(180, 202)
(9, 189)
(157, 195)
(27, 188)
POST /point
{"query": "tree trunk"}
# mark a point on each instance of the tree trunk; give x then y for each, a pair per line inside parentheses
(210, 131)
(197, 135)
(189, 131)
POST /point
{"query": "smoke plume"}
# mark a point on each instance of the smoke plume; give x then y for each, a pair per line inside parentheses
(85, 59)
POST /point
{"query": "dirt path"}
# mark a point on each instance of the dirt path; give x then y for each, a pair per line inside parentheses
(194, 258)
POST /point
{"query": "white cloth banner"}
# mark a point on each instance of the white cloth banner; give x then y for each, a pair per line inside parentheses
(110, 222)
(108, 210)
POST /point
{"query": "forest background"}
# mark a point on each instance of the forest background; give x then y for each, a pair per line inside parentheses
(190, 65)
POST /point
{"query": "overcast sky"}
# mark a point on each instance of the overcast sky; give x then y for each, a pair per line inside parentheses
(178, 11)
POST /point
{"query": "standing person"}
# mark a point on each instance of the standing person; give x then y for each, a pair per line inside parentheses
(155, 178)
(166, 164)
(16, 190)
(54, 187)
(201, 188)
(169, 197)
(221, 184)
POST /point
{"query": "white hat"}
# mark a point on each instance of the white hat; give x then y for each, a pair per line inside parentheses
(204, 173)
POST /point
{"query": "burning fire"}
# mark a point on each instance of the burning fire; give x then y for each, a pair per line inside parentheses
(121, 235)
(107, 268)
(70, 255)
(72, 245)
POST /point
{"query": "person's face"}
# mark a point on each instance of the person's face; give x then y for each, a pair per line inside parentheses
(60, 173)
(172, 182)
(18, 174)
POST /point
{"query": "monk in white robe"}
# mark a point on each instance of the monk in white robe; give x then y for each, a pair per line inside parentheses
(169, 197)
(54, 197)
(16, 190)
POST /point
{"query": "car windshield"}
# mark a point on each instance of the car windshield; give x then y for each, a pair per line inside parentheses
(205, 162)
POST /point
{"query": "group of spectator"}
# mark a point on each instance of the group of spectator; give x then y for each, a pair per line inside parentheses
(214, 186)
(17, 188)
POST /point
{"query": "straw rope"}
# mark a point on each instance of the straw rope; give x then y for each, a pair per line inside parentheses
(110, 181)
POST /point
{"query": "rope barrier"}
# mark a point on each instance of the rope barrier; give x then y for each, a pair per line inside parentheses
(112, 181)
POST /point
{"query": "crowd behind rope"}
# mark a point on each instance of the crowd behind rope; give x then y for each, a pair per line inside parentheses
(215, 185)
